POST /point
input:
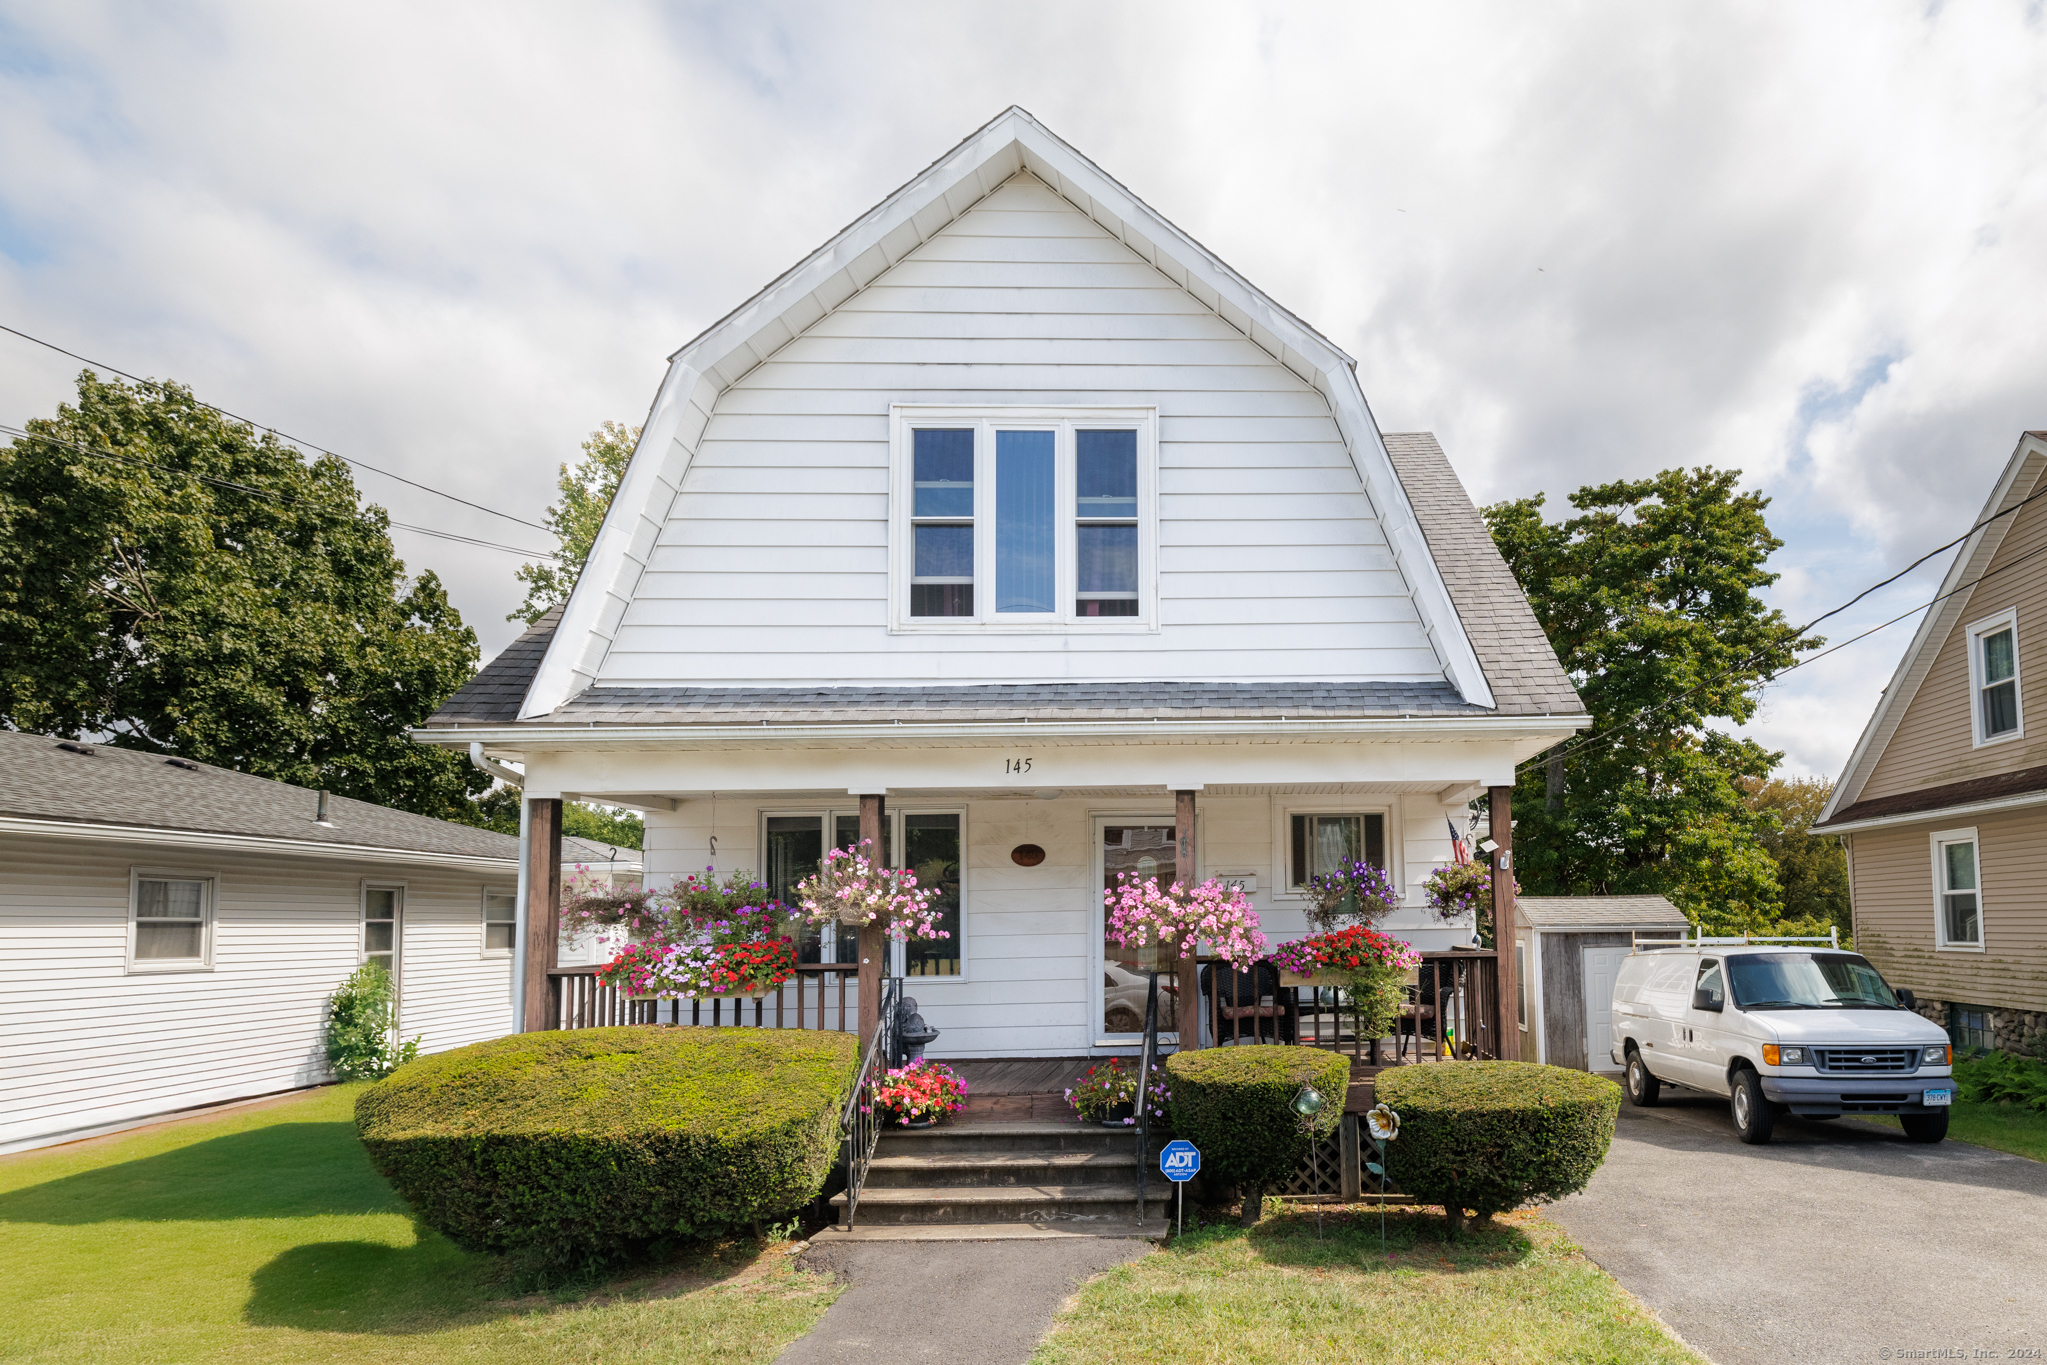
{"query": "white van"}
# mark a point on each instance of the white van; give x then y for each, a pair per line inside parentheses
(1774, 1025)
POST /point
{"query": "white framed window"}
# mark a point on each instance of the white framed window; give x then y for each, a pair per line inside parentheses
(1319, 841)
(1023, 520)
(930, 840)
(170, 920)
(1957, 891)
(1521, 982)
(383, 926)
(1995, 710)
(500, 918)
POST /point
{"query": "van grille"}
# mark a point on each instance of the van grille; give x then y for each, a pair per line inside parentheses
(1866, 1059)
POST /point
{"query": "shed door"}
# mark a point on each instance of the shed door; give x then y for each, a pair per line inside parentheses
(1601, 966)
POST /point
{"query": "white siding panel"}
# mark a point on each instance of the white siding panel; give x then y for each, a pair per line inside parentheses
(85, 1043)
(772, 565)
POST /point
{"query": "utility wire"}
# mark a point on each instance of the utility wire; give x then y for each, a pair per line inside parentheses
(263, 493)
(286, 436)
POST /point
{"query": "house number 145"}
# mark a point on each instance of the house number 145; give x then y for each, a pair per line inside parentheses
(1015, 767)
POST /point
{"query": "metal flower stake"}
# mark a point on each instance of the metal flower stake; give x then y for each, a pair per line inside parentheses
(1307, 1104)
(1384, 1126)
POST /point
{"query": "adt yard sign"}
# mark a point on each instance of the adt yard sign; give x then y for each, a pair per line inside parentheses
(1179, 1161)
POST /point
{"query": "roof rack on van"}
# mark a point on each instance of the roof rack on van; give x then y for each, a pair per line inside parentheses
(1652, 942)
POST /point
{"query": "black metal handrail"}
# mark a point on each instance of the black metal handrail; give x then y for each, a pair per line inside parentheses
(1145, 1061)
(860, 1123)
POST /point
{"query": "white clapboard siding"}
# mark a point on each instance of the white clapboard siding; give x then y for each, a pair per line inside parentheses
(84, 1043)
(772, 561)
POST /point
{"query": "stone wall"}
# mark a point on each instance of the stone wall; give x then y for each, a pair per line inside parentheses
(2023, 1032)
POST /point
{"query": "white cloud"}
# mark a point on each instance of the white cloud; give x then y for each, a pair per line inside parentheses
(1580, 242)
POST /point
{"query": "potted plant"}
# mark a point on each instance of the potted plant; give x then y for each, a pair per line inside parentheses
(1107, 1094)
(1354, 891)
(703, 936)
(1459, 889)
(920, 1094)
(1366, 965)
(853, 888)
(1147, 920)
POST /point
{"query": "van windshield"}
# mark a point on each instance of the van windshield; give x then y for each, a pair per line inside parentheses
(1807, 981)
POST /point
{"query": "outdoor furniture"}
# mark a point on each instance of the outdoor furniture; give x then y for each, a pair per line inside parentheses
(1249, 1002)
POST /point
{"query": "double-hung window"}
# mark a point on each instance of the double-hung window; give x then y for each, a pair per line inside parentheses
(930, 844)
(1994, 678)
(500, 919)
(171, 928)
(1323, 843)
(1957, 890)
(1024, 519)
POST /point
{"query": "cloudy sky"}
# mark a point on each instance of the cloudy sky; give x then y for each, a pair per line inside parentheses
(1578, 241)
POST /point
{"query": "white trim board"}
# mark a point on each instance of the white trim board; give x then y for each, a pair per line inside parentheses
(1013, 142)
(249, 843)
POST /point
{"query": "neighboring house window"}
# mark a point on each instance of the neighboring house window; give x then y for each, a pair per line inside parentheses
(172, 922)
(1024, 519)
(1958, 892)
(1968, 1028)
(383, 924)
(1994, 674)
(1521, 982)
(1323, 843)
(500, 920)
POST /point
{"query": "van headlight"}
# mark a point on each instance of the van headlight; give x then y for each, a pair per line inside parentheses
(1773, 1055)
(1938, 1055)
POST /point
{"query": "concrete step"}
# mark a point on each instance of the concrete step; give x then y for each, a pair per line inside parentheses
(1007, 1137)
(1153, 1229)
(923, 1169)
(1001, 1204)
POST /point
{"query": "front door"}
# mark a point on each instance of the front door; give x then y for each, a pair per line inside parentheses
(1601, 966)
(1142, 850)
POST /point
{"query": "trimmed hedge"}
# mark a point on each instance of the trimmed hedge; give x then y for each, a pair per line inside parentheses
(572, 1146)
(1237, 1105)
(1492, 1136)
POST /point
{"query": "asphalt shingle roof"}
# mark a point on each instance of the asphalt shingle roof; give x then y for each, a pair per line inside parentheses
(1568, 912)
(110, 786)
(494, 695)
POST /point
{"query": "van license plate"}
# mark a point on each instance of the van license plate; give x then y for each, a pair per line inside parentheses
(1938, 1097)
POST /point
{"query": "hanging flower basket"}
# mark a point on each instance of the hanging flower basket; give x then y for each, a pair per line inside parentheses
(852, 888)
(1173, 922)
(1354, 892)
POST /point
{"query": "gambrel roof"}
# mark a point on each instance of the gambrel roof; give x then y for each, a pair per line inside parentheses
(1494, 658)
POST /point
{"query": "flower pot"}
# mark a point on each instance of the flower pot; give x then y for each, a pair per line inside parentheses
(1321, 978)
(919, 1123)
(1119, 1115)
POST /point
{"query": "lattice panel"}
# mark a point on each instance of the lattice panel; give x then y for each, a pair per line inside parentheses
(1320, 1175)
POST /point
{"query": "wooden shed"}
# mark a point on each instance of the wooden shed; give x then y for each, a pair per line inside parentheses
(1569, 948)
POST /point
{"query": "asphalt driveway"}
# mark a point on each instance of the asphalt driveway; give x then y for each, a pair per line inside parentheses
(1838, 1241)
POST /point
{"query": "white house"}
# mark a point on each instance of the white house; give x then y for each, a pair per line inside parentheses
(170, 932)
(1015, 525)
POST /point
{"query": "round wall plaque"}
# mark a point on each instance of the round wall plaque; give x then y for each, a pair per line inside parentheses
(1027, 855)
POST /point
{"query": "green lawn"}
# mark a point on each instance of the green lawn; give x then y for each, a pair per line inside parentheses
(265, 1236)
(1519, 1291)
(2006, 1127)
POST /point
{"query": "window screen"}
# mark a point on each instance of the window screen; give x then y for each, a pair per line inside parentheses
(170, 920)
(2000, 687)
(1322, 843)
(500, 913)
(1961, 917)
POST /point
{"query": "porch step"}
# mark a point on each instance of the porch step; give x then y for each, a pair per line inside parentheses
(949, 1169)
(1069, 1204)
(1152, 1229)
(1006, 1137)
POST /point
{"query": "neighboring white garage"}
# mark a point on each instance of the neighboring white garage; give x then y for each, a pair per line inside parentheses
(1571, 946)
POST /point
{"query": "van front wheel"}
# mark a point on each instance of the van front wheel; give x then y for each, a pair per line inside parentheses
(1643, 1089)
(1924, 1127)
(1754, 1116)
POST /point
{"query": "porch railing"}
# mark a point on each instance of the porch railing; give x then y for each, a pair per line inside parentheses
(860, 1123)
(1452, 1013)
(820, 996)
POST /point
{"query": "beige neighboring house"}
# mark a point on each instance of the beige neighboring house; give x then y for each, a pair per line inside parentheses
(1943, 806)
(170, 932)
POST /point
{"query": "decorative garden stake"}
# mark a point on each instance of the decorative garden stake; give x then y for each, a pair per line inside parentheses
(1384, 1126)
(1307, 1104)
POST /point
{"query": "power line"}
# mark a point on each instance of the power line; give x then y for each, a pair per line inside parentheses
(264, 493)
(303, 445)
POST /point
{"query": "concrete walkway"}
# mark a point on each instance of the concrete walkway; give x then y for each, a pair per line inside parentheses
(974, 1303)
(1838, 1241)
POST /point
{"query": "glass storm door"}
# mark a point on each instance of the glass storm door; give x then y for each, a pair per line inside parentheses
(1142, 851)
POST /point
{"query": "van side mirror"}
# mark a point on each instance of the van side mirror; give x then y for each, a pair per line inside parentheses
(1907, 999)
(1703, 999)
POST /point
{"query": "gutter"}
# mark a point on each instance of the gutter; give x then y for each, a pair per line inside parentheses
(247, 843)
(1921, 817)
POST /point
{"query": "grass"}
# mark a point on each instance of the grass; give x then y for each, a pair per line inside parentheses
(265, 1236)
(1516, 1291)
(2005, 1127)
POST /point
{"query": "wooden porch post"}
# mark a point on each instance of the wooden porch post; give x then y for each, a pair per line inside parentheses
(1500, 808)
(873, 943)
(543, 910)
(1183, 871)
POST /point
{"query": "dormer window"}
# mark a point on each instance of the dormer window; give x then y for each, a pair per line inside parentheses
(1994, 678)
(1024, 519)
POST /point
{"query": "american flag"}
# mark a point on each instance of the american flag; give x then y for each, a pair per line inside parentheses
(1457, 848)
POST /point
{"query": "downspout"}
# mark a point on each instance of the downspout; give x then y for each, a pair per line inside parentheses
(516, 780)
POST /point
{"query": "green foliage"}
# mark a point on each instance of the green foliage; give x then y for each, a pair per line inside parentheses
(361, 1019)
(2000, 1078)
(260, 621)
(1492, 1136)
(586, 493)
(1648, 595)
(612, 826)
(570, 1148)
(1812, 869)
(1236, 1105)
(1373, 999)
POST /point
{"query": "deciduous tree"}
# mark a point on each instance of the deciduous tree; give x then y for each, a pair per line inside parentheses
(586, 493)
